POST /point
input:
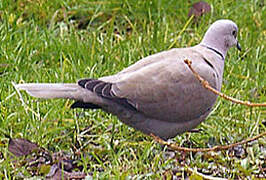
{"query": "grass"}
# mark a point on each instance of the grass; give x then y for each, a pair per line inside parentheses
(63, 41)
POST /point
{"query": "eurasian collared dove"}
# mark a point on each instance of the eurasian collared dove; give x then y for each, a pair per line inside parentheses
(158, 94)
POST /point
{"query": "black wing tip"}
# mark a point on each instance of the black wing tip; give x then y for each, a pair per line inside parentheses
(83, 82)
(83, 105)
(102, 89)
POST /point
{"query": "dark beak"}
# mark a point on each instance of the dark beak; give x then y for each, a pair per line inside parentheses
(238, 46)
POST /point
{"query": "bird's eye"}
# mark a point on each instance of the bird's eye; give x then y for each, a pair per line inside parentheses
(234, 33)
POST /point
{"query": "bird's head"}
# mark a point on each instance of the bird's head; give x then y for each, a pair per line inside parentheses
(221, 36)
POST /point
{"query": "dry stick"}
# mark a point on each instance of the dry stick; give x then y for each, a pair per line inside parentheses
(207, 86)
(215, 148)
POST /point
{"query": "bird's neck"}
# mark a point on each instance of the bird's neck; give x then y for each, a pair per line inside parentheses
(214, 51)
(212, 42)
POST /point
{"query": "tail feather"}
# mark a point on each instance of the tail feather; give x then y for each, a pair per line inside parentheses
(50, 90)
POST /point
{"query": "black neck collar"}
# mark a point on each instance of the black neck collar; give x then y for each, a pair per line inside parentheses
(214, 50)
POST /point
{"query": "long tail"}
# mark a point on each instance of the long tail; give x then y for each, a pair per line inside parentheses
(50, 91)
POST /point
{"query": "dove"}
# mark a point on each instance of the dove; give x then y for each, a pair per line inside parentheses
(158, 94)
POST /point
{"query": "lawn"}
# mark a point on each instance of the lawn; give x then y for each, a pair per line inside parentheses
(63, 41)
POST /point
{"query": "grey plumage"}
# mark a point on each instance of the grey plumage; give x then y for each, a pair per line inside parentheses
(158, 94)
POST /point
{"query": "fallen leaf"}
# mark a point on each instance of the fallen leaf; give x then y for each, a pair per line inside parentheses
(41, 162)
(21, 147)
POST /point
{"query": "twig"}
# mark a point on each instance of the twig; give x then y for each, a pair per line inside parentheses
(215, 148)
(207, 86)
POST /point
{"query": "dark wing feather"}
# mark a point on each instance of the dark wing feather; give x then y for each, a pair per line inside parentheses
(103, 89)
(79, 104)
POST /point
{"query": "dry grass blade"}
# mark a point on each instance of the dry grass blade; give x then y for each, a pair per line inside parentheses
(23, 102)
(207, 86)
(203, 176)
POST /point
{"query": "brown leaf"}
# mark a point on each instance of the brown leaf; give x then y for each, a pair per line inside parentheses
(198, 9)
(21, 147)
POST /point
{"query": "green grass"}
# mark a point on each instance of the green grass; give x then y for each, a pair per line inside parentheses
(63, 41)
